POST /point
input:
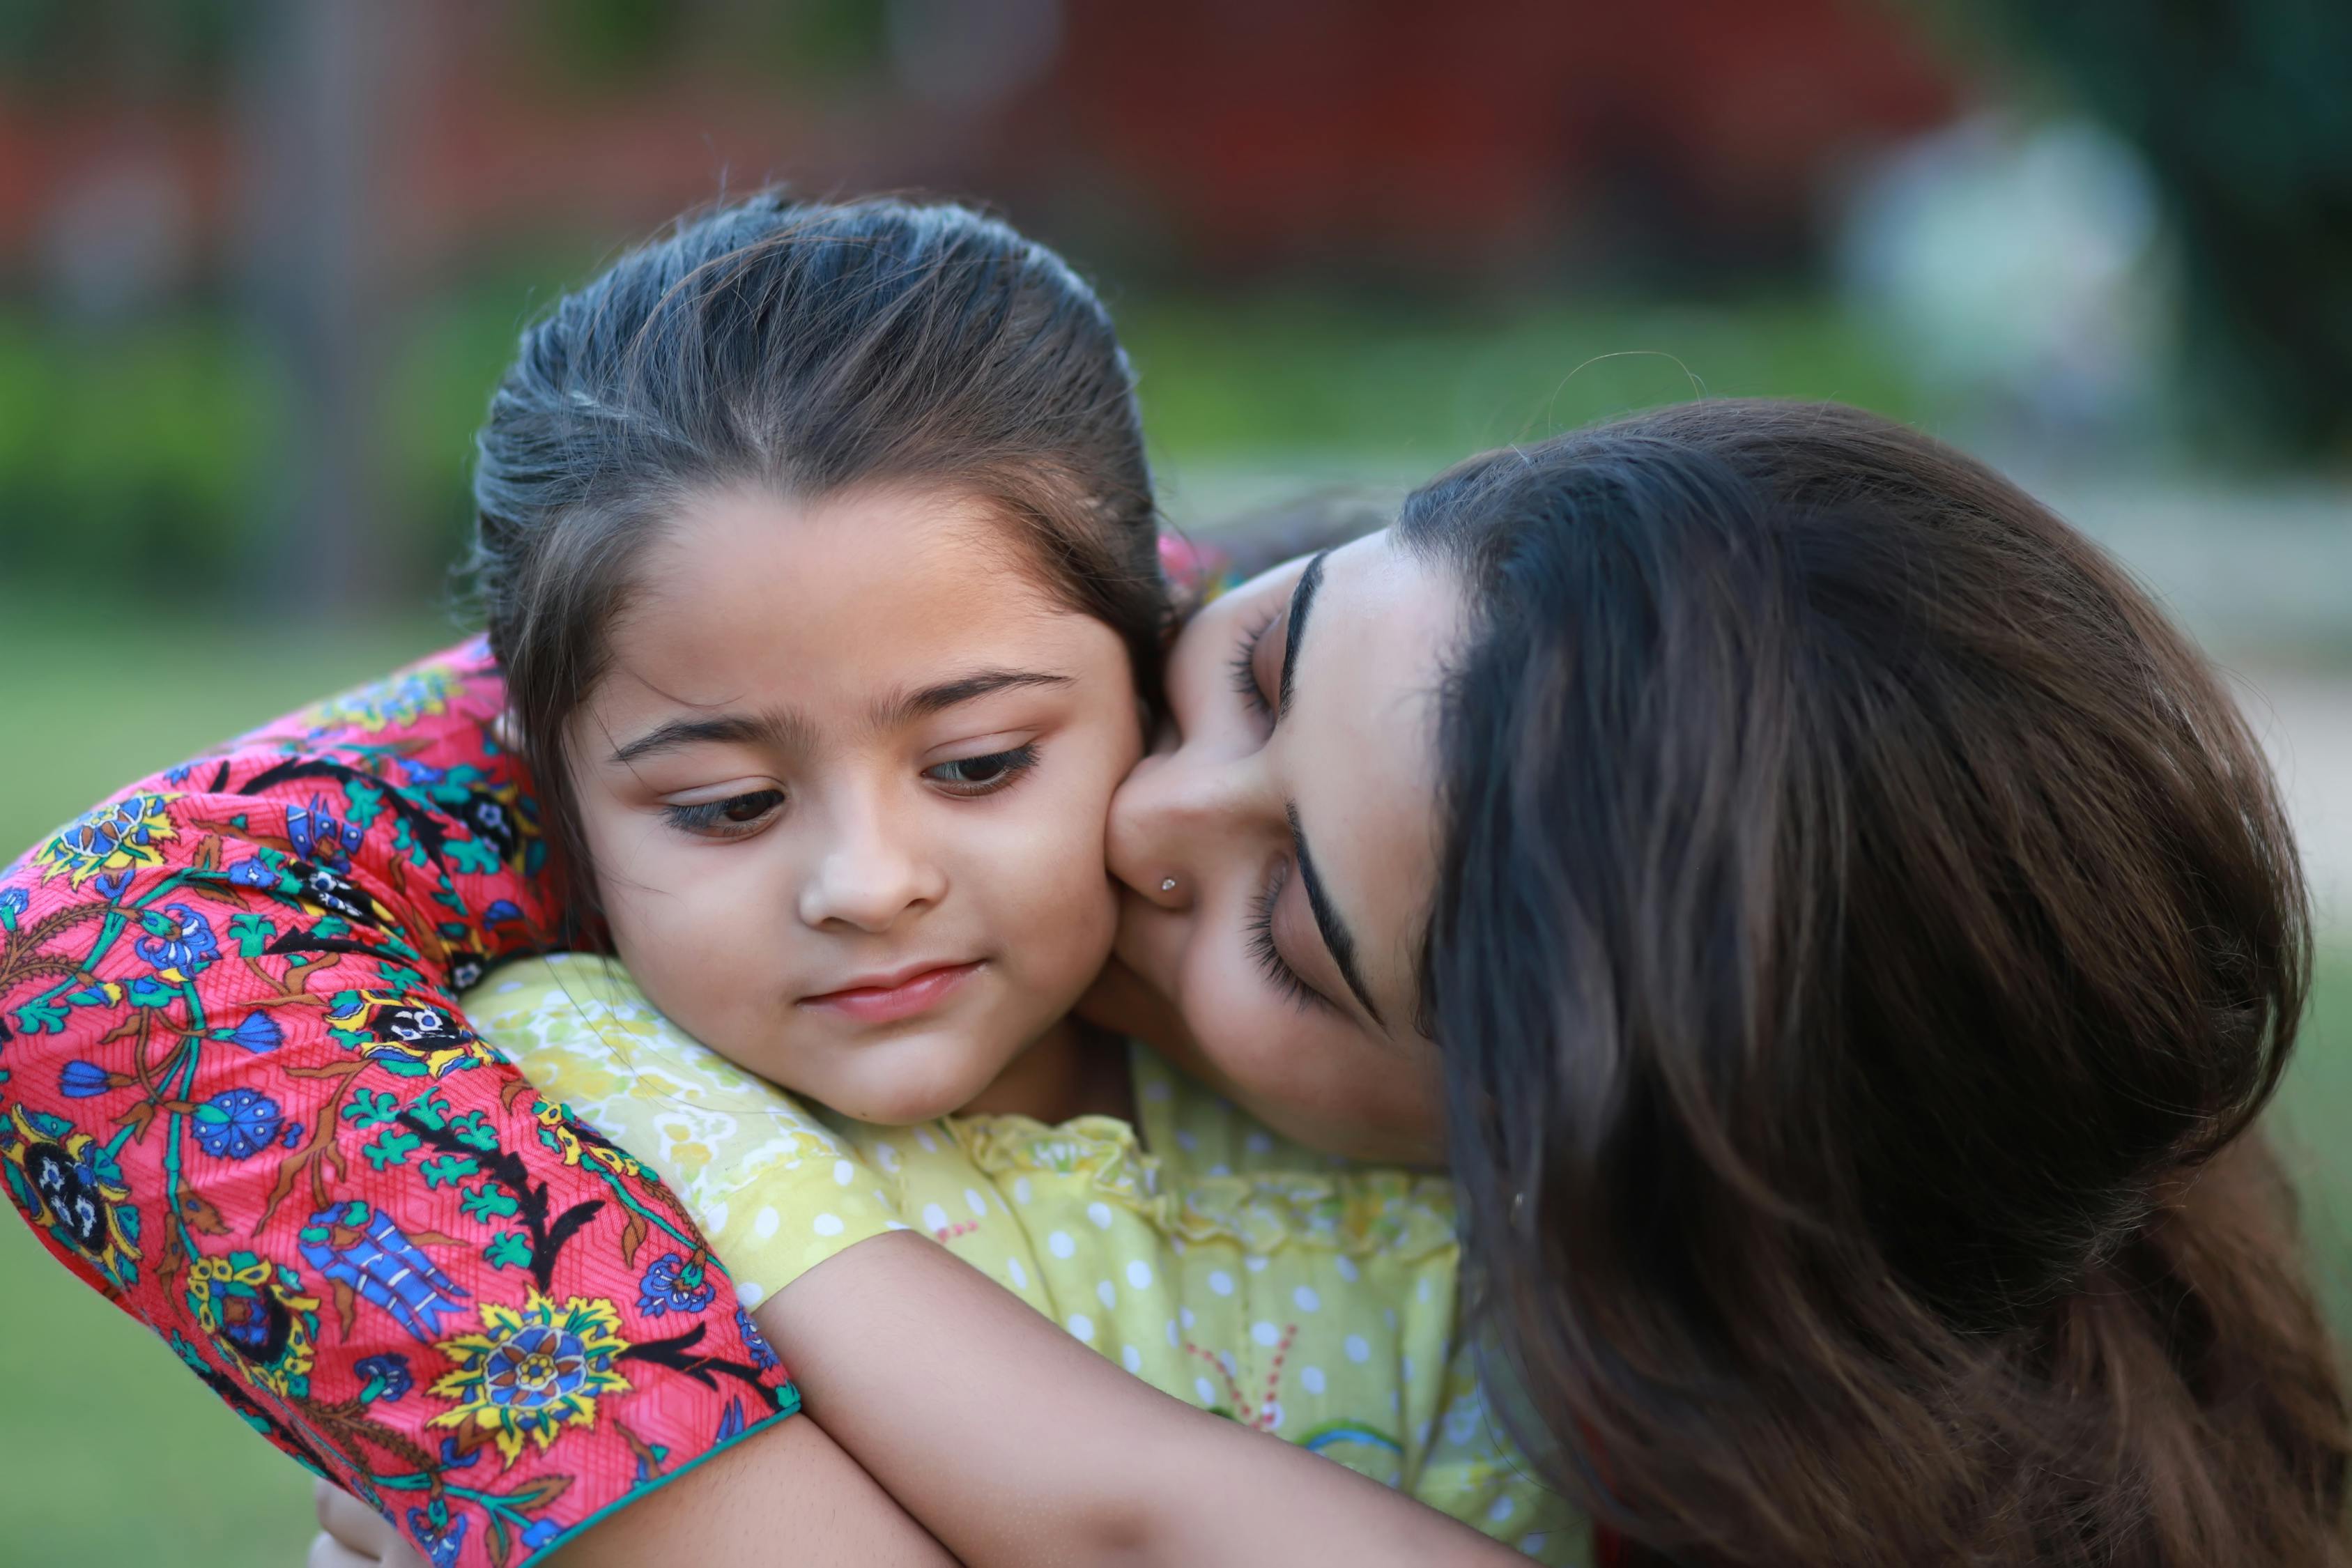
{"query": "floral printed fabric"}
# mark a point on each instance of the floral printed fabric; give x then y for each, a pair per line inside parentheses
(236, 1098)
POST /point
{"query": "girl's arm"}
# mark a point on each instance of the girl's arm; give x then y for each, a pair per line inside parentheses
(1016, 1445)
(237, 1098)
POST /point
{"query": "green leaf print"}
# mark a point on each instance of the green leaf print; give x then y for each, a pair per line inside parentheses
(252, 934)
(392, 1147)
(510, 1250)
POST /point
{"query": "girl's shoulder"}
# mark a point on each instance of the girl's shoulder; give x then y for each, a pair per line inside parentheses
(1198, 1168)
(775, 1187)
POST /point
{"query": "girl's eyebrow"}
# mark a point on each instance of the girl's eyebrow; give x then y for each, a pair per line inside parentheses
(892, 711)
(783, 730)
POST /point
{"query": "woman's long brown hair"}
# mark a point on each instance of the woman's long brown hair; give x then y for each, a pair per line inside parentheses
(1866, 936)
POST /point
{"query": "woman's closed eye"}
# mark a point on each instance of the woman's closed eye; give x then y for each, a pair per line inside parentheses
(730, 817)
(1246, 682)
(1276, 969)
(985, 773)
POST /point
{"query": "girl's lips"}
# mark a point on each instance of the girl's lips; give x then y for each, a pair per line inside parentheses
(919, 993)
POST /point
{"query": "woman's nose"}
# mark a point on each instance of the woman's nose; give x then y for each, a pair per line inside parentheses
(867, 876)
(1176, 816)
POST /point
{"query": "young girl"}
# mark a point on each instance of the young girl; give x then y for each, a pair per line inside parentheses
(832, 686)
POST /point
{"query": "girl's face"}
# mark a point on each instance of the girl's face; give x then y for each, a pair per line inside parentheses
(844, 788)
(1294, 805)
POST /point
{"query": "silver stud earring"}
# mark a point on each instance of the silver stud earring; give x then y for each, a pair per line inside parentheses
(1168, 884)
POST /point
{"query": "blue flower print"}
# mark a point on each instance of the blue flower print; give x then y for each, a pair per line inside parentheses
(80, 1081)
(673, 1285)
(387, 1378)
(179, 943)
(252, 873)
(237, 1124)
(317, 836)
(12, 906)
(258, 1033)
(437, 1535)
(762, 1358)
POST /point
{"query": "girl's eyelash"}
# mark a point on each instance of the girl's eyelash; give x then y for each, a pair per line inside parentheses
(1011, 766)
(1270, 961)
(1245, 668)
(719, 819)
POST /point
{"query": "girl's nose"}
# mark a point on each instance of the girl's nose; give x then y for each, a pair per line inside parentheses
(868, 877)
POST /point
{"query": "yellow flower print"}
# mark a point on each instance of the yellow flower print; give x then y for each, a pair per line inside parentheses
(257, 1310)
(531, 1373)
(109, 841)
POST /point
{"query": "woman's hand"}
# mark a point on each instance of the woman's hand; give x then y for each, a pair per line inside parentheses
(351, 1535)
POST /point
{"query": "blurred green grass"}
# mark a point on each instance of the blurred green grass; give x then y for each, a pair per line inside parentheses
(111, 1453)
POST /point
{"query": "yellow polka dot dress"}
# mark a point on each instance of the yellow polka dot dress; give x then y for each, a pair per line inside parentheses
(1294, 1292)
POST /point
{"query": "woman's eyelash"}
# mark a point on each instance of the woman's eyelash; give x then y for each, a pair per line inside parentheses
(1245, 668)
(736, 816)
(1270, 961)
(1001, 769)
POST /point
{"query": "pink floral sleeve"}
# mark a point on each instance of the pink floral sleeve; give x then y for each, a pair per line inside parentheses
(236, 1098)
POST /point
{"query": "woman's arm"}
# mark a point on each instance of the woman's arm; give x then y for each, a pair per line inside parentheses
(236, 1098)
(790, 1497)
(1016, 1445)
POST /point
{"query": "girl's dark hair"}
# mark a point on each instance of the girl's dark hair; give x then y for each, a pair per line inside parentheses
(803, 347)
(1865, 935)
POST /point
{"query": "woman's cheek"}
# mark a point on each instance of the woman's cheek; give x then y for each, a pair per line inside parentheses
(1241, 1031)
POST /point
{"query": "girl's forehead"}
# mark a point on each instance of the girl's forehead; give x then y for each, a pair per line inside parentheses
(749, 595)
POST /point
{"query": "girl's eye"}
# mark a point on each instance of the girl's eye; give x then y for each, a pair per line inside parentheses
(1270, 961)
(1244, 669)
(983, 774)
(737, 816)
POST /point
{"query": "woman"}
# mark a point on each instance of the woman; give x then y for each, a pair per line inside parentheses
(1854, 933)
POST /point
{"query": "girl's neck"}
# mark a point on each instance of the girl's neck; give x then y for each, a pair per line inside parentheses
(1072, 1069)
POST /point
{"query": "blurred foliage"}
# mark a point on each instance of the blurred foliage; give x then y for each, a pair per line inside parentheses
(2243, 109)
(132, 457)
(1314, 374)
(146, 453)
(65, 46)
(58, 46)
(822, 44)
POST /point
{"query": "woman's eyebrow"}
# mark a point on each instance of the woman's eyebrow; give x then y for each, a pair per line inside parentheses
(1302, 600)
(1336, 937)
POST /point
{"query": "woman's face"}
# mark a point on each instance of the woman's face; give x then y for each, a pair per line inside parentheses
(1291, 801)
